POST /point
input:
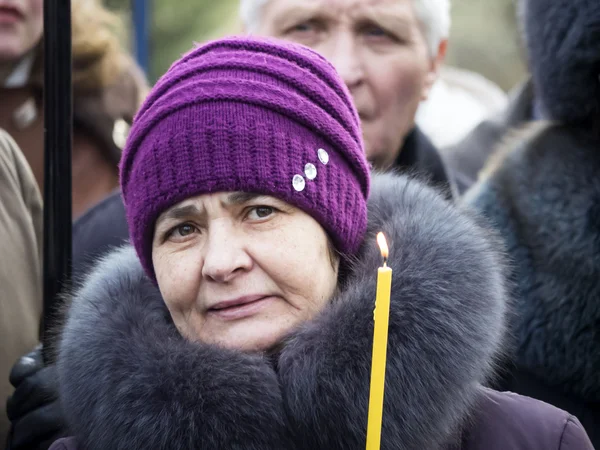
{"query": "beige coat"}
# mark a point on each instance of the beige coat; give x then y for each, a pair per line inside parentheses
(20, 264)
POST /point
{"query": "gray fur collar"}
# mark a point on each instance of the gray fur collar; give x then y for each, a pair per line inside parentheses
(542, 191)
(128, 380)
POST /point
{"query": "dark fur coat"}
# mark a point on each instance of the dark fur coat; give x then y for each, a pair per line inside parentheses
(542, 192)
(130, 381)
(563, 46)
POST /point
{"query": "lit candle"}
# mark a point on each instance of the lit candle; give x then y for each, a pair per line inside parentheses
(381, 316)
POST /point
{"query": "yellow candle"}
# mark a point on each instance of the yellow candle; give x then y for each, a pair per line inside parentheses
(381, 317)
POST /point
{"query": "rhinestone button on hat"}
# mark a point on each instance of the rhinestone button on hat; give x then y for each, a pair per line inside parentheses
(323, 156)
(310, 171)
(298, 182)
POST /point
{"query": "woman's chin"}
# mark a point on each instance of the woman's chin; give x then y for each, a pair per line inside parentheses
(250, 335)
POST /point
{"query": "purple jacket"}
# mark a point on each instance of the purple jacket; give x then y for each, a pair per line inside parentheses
(507, 422)
(128, 380)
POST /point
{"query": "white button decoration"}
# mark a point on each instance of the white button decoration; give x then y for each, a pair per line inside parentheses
(310, 171)
(323, 156)
(120, 133)
(298, 182)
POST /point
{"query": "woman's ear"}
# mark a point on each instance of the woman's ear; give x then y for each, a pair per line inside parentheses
(435, 65)
(334, 255)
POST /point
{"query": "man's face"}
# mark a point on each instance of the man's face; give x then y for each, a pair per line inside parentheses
(379, 49)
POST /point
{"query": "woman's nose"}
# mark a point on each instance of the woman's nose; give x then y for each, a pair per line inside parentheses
(225, 255)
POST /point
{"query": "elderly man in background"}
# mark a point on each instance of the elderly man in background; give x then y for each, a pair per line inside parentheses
(388, 52)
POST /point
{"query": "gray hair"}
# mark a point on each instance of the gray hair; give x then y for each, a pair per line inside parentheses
(434, 16)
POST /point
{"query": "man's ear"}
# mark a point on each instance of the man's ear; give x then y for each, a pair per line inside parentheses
(434, 68)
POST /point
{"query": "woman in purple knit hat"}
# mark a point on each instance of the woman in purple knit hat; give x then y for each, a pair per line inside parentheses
(241, 317)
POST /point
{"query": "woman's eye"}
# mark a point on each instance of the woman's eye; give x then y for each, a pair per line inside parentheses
(182, 230)
(260, 212)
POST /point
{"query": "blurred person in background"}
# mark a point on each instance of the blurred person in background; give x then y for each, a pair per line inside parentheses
(467, 157)
(108, 87)
(542, 191)
(458, 102)
(388, 52)
(20, 263)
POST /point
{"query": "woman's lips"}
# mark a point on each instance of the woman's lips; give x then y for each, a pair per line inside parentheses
(239, 308)
(9, 15)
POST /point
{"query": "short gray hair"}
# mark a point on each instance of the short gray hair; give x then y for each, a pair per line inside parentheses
(434, 16)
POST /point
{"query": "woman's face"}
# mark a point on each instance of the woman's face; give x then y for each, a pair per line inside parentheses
(21, 25)
(241, 270)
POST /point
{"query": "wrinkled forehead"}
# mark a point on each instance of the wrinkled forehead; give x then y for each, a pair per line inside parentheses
(223, 199)
(200, 204)
(380, 10)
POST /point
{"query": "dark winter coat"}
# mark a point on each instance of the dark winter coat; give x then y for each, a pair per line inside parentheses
(97, 232)
(130, 381)
(420, 157)
(543, 194)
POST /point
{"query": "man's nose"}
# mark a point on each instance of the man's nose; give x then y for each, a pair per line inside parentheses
(345, 57)
(225, 256)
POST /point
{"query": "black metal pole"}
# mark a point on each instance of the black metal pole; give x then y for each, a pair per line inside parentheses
(58, 124)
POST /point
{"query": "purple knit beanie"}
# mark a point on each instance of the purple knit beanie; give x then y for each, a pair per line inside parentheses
(252, 115)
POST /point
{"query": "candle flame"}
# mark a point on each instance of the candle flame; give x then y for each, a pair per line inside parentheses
(383, 246)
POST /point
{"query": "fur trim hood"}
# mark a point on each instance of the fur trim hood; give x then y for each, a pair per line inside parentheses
(542, 192)
(128, 380)
(563, 45)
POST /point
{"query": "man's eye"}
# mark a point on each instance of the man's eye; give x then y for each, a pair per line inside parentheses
(379, 34)
(260, 212)
(302, 27)
(375, 31)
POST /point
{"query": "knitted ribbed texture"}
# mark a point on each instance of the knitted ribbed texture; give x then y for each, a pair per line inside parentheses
(247, 114)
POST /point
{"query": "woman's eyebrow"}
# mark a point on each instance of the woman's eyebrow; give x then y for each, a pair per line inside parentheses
(187, 211)
(180, 212)
(239, 198)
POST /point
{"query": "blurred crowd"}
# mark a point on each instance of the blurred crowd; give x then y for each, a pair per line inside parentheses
(520, 164)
